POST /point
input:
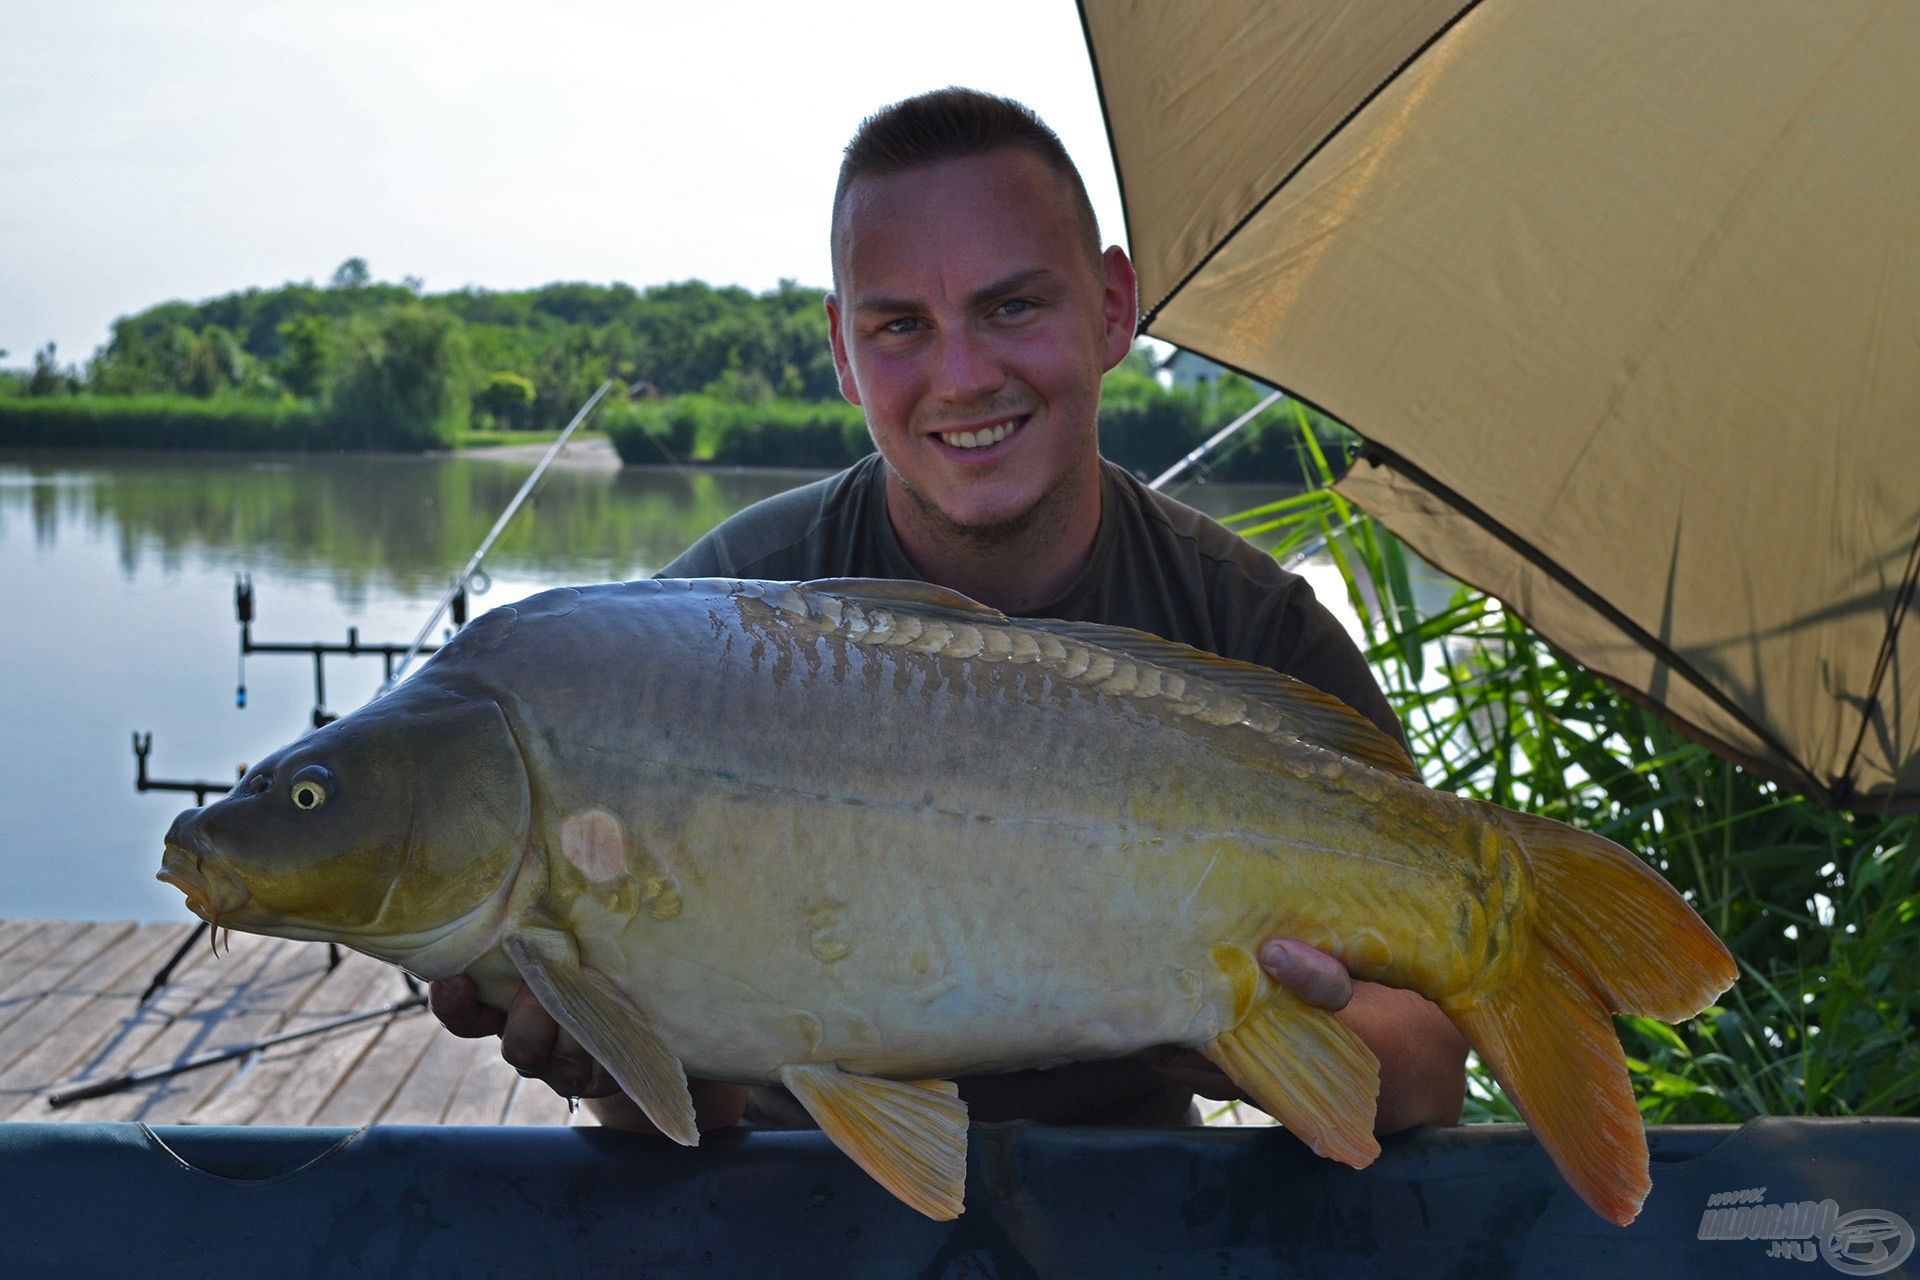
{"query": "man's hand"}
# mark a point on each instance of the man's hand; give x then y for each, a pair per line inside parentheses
(1422, 1056)
(540, 1049)
(532, 1042)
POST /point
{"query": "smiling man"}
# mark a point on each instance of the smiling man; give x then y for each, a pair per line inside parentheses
(973, 315)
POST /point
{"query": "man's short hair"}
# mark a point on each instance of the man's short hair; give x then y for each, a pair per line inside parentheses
(952, 124)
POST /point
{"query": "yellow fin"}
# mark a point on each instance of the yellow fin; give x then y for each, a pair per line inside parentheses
(1552, 1047)
(613, 1029)
(1305, 1068)
(911, 1136)
(1619, 924)
(1605, 935)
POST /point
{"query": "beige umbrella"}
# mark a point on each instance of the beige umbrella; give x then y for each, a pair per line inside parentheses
(1624, 296)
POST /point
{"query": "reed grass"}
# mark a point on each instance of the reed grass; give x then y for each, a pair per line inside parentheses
(1819, 907)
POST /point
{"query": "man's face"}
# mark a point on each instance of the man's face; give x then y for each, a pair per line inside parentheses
(972, 326)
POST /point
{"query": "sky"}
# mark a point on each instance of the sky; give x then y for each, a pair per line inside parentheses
(151, 151)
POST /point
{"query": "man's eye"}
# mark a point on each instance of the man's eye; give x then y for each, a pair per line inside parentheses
(1016, 307)
(905, 324)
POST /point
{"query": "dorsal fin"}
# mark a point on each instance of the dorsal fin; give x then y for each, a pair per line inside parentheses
(1325, 720)
(1321, 718)
(895, 593)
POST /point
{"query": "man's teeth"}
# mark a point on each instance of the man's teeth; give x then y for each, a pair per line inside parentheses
(978, 439)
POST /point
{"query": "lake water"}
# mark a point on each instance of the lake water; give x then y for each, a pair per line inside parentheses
(117, 611)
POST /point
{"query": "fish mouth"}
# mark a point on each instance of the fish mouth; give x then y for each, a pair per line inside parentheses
(209, 895)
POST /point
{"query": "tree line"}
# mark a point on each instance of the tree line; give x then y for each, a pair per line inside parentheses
(706, 374)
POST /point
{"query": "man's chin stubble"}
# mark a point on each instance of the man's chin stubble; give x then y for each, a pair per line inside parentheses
(1037, 519)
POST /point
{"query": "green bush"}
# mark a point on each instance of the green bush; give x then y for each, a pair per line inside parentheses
(705, 429)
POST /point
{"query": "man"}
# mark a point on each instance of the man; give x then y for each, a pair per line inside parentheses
(972, 318)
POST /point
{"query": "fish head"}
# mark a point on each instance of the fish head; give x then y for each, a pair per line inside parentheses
(391, 829)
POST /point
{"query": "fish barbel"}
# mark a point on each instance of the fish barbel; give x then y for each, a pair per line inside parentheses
(858, 838)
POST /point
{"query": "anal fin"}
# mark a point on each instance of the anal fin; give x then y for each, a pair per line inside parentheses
(910, 1136)
(1305, 1068)
(614, 1030)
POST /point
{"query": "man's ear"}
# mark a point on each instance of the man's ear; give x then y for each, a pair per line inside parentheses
(1120, 305)
(841, 364)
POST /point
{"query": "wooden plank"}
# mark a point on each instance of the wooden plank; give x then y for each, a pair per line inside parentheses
(343, 990)
(14, 931)
(121, 1049)
(31, 969)
(260, 1009)
(484, 1092)
(27, 956)
(260, 1077)
(325, 1061)
(67, 983)
(423, 1097)
(379, 1073)
(189, 1010)
(56, 1035)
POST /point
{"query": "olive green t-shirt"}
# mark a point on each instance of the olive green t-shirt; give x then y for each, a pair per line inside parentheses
(1157, 566)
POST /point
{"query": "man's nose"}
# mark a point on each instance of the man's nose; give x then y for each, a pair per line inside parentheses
(964, 367)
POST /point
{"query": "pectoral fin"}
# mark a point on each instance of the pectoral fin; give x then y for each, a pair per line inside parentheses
(1305, 1068)
(613, 1029)
(911, 1136)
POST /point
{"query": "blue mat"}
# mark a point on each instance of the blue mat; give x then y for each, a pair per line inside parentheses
(126, 1200)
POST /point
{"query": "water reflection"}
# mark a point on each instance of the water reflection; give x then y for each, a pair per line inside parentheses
(363, 523)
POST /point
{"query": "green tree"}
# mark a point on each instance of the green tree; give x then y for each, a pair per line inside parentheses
(213, 362)
(48, 377)
(307, 355)
(404, 380)
(508, 398)
(351, 274)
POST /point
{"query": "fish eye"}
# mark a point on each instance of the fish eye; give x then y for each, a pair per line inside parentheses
(311, 787)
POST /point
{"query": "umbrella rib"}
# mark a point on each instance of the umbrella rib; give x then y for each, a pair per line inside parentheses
(1154, 312)
(1106, 122)
(1881, 664)
(1605, 608)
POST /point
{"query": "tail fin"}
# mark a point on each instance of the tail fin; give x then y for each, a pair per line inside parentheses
(1609, 936)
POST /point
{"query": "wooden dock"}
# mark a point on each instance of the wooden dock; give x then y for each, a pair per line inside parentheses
(68, 1015)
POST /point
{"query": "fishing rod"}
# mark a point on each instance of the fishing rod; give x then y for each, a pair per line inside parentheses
(133, 1079)
(499, 527)
(1215, 439)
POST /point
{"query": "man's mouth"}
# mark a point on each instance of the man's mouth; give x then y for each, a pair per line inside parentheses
(982, 437)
